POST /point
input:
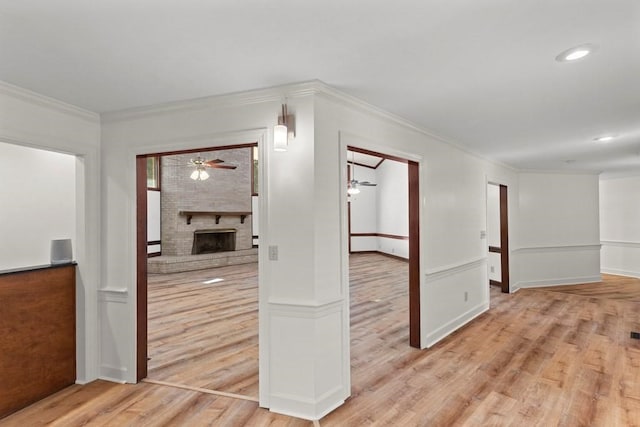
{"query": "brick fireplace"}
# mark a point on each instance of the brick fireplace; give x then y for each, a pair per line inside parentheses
(208, 239)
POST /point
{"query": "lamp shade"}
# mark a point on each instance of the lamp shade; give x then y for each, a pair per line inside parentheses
(280, 134)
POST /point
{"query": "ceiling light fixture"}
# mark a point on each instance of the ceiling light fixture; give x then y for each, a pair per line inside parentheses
(199, 174)
(605, 138)
(352, 188)
(281, 131)
(576, 53)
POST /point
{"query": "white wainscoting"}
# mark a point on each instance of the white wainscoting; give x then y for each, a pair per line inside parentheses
(113, 308)
(463, 288)
(307, 380)
(556, 265)
(620, 257)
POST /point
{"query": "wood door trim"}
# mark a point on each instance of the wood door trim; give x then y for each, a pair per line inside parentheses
(376, 154)
(504, 238)
(414, 253)
(141, 267)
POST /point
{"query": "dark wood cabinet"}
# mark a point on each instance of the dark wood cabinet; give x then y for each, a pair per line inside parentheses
(37, 334)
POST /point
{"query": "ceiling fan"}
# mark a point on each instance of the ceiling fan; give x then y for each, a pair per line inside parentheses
(352, 187)
(200, 173)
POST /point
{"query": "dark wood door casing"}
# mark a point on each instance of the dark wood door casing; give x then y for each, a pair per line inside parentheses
(504, 239)
(141, 268)
(414, 254)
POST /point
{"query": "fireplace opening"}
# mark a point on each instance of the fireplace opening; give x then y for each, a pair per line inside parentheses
(211, 241)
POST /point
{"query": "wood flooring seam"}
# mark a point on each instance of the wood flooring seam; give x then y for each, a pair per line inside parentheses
(201, 390)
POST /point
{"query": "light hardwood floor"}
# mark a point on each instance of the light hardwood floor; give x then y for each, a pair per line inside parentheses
(539, 357)
(205, 334)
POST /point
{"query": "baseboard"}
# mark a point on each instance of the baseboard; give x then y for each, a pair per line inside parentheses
(455, 324)
(393, 256)
(381, 253)
(306, 409)
(113, 373)
(558, 282)
(618, 272)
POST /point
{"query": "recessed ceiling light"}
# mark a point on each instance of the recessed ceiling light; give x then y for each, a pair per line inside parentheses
(605, 138)
(576, 53)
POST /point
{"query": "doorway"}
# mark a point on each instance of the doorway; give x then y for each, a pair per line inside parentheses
(407, 241)
(498, 236)
(202, 306)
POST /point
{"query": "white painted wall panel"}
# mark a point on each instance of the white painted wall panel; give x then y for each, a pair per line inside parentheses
(559, 230)
(393, 198)
(493, 215)
(37, 204)
(395, 247)
(153, 216)
(364, 205)
(364, 244)
(620, 225)
(621, 258)
(495, 267)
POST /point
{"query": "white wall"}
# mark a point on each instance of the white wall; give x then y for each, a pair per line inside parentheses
(38, 199)
(364, 211)
(153, 220)
(559, 230)
(30, 119)
(393, 208)
(620, 226)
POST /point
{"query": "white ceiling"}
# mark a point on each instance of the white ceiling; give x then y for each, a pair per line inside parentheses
(481, 74)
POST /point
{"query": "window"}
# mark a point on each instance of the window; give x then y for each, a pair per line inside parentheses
(153, 173)
(254, 171)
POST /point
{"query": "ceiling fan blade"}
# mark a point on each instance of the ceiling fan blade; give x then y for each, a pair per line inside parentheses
(368, 184)
(219, 166)
(214, 161)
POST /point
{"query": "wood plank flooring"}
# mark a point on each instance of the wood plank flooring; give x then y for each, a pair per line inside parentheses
(611, 287)
(538, 358)
(205, 334)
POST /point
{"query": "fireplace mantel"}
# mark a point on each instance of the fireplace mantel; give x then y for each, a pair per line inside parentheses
(217, 214)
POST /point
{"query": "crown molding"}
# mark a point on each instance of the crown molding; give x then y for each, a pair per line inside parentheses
(278, 94)
(47, 102)
(558, 172)
(620, 175)
(234, 99)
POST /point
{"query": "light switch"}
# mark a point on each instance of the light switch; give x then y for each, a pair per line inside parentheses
(273, 253)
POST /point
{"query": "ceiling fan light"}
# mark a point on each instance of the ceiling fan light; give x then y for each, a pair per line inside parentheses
(203, 175)
(195, 174)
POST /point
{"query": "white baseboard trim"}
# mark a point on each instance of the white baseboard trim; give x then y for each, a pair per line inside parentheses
(114, 374)
(618, 272)
(307, 409)
(455, 324)
(557, 282)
